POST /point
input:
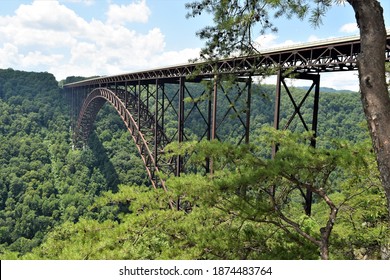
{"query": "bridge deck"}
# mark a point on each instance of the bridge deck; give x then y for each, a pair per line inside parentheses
(323, 56)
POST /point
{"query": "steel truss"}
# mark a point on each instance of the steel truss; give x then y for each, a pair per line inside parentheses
(147, 100)
(315, 79)
(325, 56)
(145, 108)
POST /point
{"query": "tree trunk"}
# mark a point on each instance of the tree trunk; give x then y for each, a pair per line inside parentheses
(324, 247)
(372, 79)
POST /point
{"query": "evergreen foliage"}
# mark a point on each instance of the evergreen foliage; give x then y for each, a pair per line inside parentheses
(96, 203)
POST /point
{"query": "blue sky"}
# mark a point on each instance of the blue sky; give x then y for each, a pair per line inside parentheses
(107, 37)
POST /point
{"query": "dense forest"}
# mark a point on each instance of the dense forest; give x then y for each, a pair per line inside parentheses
(57, 202)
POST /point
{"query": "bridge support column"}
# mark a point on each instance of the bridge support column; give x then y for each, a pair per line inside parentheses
(76, 99)
(212, 119)
(156, 116)
(315, 78)
(248, 109)
(214, 110)
(180, 124)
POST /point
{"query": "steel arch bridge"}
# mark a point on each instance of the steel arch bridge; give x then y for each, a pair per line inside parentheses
(147, 100)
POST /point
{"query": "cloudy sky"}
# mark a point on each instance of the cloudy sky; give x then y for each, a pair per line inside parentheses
(107, 37)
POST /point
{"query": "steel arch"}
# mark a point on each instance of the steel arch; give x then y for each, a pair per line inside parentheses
(91, 106)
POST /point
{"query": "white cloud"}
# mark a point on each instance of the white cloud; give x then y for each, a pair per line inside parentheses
(341, 80)
(265, 41)
(36, 58)
(134, 12)
(269, 41)
(349, 28)
(48, 36)
(313, 38)
(47, 15)
(176, 57)
(9, 55)
(85, 2)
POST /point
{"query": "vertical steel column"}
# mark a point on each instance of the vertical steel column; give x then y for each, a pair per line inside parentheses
(277, 108)
(248, 110)
(276, 118)
(74, 101)
(180, 127)
(77, 100)
(83, 97)
(243, 189)
(78, 138)
(73, 118)
(214, 110)
(162, 106)
(125, 97)
(147, 98)
(314, 124)
(88, 128)
(139, 104)
(156, 124)
(209, 120)
(72, 108)
(213, 118)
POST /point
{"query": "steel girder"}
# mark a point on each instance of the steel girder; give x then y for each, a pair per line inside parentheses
(324, 56)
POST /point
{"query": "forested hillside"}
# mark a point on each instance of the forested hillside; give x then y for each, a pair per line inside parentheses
(95, 203)
(43, 182)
